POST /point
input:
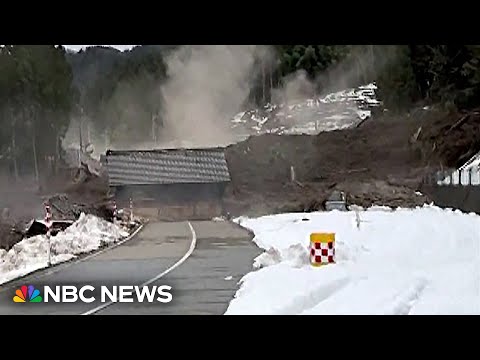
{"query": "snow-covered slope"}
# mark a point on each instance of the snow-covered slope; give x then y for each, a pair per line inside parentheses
(335, 111)
(87, 234)
(420, 261)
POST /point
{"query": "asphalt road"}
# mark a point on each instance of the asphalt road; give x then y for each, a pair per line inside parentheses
(219, 255)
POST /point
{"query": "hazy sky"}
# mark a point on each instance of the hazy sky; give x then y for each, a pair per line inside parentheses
(78, 47)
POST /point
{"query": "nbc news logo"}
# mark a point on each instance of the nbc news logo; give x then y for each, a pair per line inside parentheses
(27, 294)
(116, 294)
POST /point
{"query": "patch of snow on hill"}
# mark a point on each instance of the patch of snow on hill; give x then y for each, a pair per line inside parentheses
(334, 111)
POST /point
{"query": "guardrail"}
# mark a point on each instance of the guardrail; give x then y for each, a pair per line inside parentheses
(454, 177)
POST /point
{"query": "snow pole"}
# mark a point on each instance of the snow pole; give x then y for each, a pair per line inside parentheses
(48, 224)
(115, 210)
(48, 216)
(357, 218)
(322, 249)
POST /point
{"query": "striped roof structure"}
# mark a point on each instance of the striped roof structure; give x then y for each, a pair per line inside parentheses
(160, 167)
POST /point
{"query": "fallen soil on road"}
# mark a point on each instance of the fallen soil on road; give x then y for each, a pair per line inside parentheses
(382, 162)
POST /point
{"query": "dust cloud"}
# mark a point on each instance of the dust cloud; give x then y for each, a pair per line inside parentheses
(296, 87)
(207, 85)
(361, 67)
(19, 199)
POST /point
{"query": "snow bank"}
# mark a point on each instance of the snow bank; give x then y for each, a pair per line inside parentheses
(408, 261)
(87, 234)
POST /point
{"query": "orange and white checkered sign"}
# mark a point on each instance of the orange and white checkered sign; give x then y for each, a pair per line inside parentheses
(322, 249)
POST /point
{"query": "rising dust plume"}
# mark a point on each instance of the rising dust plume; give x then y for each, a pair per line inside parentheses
(207, 85)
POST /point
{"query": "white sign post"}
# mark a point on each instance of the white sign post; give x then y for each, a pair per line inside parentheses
(48, 224)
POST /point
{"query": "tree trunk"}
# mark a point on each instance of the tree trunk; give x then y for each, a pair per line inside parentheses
(14, 150)
(34, 145)
(57, 155)
(80, 134)
(107, 139)
(360, 74)
(372, 61)
(264, 98)
(154, 129)
(89, 140)
(271, 80)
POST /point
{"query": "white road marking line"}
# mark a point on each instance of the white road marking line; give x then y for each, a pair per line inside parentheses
(193, 244)
(62, 266)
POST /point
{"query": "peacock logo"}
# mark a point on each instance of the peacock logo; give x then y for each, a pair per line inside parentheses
(27, 294)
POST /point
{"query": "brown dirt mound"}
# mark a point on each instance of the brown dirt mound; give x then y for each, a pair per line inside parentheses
(75, 191)
(9, 235)
(452, 139)
(383, 162)
(64, 208)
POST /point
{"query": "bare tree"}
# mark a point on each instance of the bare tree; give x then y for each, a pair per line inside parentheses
(14, 147)
(262, 64)
(272, 70)
(34, 146)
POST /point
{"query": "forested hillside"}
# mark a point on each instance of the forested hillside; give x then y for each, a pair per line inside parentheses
(45, 89)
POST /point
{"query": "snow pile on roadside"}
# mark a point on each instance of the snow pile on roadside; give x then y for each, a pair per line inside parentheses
(407, 261)
(87, 234)
(295, 255)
